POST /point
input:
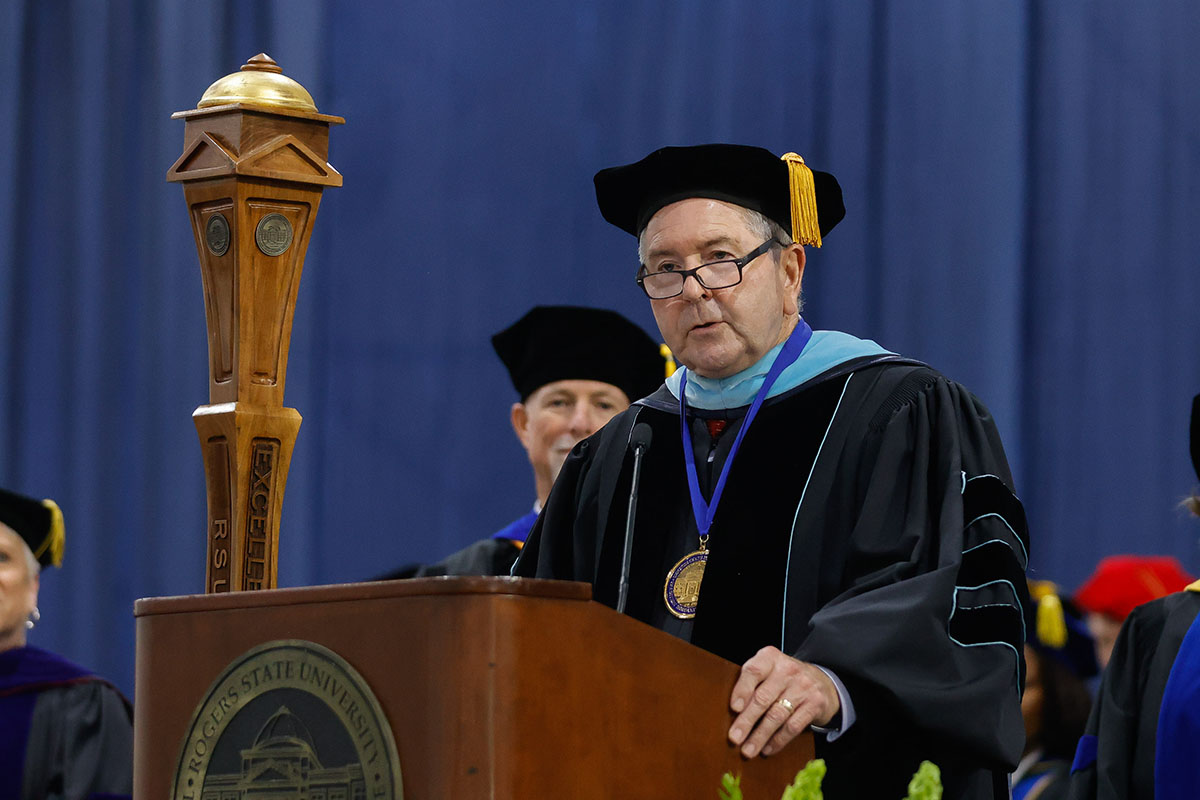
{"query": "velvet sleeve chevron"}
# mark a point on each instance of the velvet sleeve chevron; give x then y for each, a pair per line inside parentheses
(921, 594)
(988, 608)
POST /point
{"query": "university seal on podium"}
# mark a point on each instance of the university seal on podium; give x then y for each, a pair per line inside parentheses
(288, 718)
(216, 235)
(273, 235)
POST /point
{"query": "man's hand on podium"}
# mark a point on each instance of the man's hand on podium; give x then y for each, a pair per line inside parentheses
(776, 697)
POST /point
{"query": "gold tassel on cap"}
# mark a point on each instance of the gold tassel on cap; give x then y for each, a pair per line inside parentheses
(665, 352)
(806, 229)
(56, 538)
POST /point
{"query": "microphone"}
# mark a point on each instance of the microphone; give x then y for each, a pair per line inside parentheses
(639, 443)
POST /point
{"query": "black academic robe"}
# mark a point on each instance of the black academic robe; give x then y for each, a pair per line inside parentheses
(65, 733)
(867, 526)
(485, 557)
(1118, 761)
(492, 556)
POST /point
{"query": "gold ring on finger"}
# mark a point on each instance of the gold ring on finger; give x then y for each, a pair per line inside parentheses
(783, 701)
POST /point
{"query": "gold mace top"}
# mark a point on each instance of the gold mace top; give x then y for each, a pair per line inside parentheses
(260, 82)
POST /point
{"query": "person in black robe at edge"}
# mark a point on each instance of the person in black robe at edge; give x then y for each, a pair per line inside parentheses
(64, 732)
(1060, 656)
(832, 516)
(573, 368)
(1143, 736)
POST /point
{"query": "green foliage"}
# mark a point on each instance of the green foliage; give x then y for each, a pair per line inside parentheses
(731, 787)
(807, 785)
(926, 784)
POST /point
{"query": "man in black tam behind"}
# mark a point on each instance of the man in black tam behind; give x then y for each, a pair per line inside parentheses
(573, 368)
(834, 517)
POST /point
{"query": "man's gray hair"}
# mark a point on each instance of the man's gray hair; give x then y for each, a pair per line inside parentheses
(757, 223)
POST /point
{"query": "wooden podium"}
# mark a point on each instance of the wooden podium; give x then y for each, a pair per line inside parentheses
(493, 687)
(482, 687)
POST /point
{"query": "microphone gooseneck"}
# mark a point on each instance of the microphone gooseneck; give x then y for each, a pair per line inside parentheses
(639, 443)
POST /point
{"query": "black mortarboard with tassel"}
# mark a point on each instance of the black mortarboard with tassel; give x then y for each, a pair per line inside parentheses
(38, 522)
(806, 202)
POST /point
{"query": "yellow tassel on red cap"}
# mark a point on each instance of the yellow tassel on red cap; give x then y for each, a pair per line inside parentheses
(806, 228)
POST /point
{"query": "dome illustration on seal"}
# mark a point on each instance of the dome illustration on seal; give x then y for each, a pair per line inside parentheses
(284, 730)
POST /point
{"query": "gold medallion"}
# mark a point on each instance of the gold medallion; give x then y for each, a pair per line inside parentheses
(681, 592)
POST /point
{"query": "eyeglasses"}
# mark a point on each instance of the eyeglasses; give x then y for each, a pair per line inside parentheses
(713, 275)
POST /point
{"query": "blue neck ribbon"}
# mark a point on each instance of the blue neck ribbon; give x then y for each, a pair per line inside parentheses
(705, 512)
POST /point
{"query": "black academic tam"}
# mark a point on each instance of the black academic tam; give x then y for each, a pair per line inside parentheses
(751, 177)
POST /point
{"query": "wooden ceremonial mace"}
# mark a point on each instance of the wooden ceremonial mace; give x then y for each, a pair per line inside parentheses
(253, 169)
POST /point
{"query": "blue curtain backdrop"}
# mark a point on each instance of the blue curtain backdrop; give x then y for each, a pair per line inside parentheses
(1022, 183)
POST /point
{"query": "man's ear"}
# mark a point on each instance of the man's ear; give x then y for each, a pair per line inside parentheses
(520, 423)
(792, 261)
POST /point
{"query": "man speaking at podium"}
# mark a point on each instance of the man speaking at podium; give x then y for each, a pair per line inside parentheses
(834, 517)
